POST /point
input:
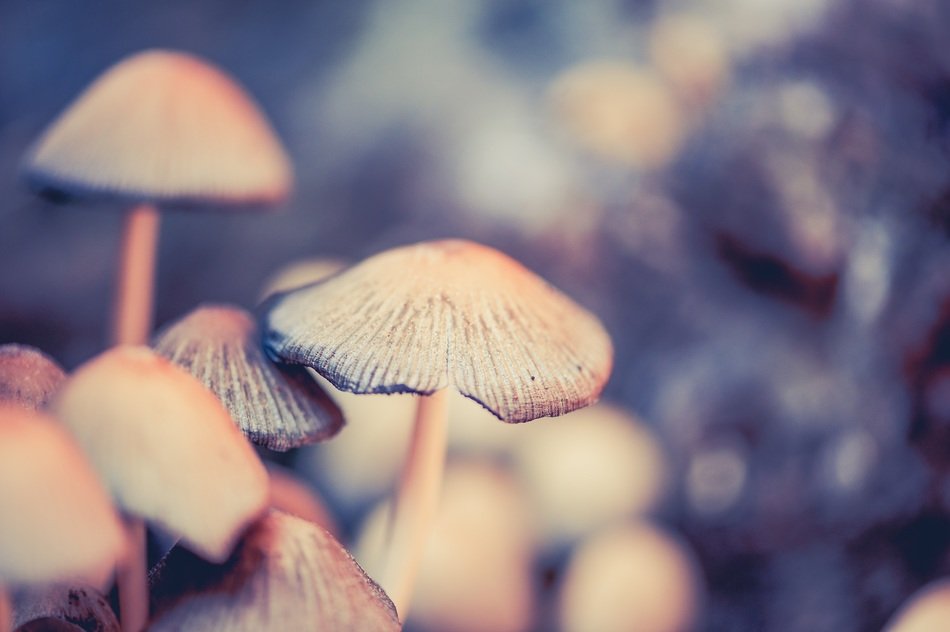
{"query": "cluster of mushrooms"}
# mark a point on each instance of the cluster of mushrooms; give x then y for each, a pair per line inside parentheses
(154, 435)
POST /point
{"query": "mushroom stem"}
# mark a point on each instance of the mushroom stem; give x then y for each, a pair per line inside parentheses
(416, 501)
(132, 320)
(6, 610)
(131, 580)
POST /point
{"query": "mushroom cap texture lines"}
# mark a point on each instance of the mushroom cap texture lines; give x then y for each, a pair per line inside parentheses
(286, 574)
(162, 126)
(165, 447)
(430, 315)
(277, 406)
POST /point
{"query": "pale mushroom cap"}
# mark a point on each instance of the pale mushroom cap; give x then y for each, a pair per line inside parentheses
(927, 610)
(589, 468)
(620, 113)
(56, 520)
(447, 313)
(28, 377)
(82, 606)
(691, 55)
(287, 574)
(166, 447)
(163, 126)
(297, 274)
(276, 406)
(633, 577)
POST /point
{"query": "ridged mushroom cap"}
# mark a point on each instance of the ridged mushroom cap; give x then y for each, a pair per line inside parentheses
(82, 606)
(287, 574)
(166, 447)
(162, 126)
(28, 377)
(56, 520)
(276, 406)
(434, 314)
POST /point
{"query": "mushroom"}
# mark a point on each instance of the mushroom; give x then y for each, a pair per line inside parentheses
(276, 406)
(57, 523)
(158, 127)
(592, 467)
(292, 495)
(630, 577)
(927, 610)
(28, 377)
(297, 274)
(169, 453)
(476, 574)
(424, 317)
(286, 574)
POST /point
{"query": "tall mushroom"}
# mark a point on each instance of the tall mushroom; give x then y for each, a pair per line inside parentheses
(425, 317)
(276, 406)
(159, 127)
(169, 453)
(56, 521)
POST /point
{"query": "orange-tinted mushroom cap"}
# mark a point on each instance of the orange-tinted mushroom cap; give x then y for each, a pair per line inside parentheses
(166, 447)
(163, 126)
(56, 520)
(287, 574)
(430, 315)
(277, 406)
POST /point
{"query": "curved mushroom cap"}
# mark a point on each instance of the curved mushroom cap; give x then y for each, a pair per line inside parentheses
(163, 126)
(55, 517)
(631, 577)
(927, 610)
(294, 496)
(166, 447)
(28, 377)
(287, 574)
(297, 274)
(81, 606)
(423, 317)
(276, 406)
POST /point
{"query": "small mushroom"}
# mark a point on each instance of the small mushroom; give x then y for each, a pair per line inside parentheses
(927, 610)
(276, 406)
(159, 127)
(630, 577)
(56, 521)
(291, 495)
(169, 453)
(286, 574)
(28, 377)
(297, 274)
(424, 317)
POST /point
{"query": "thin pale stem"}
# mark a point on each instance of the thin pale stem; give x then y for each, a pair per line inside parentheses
(417, 498)
(131, 579)
(132, 319)
(6, 610)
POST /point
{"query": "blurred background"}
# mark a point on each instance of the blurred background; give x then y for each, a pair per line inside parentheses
(754, 196)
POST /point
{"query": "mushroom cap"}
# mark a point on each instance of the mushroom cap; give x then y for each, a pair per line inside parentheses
(927, 610)
(82, 606)
(299, 273)
(28, 377)
(294, 496)
(276, 406)
(629, 578)
(162, 126)
(56, 519)
(422, 317)
(166, 447)
(287, 574)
